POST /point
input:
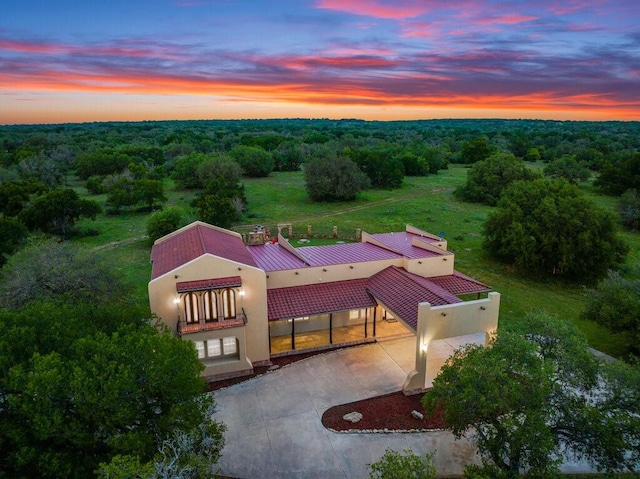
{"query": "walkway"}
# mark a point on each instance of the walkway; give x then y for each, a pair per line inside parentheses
(274, 421)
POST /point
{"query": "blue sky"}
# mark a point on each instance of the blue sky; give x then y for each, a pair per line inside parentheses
(67, 61)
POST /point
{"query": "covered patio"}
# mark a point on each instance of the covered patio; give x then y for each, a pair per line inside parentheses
(320, 339)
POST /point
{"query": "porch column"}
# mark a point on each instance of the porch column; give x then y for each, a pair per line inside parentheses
(366, 319)
(330, 328)
(417, 379)
(375, 311)
(293, 333)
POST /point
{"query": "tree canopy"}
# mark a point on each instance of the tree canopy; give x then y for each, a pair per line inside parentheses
(254, 160)
(408, 465)
(546, 227)
(335, 178)
(569, 168)
(89, 381)
(615, 303)
(475, 150)
(616, 177)
(537, 393)
(487, 178)
(57, 211)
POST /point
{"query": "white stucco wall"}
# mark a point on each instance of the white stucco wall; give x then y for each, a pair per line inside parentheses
(163, 292)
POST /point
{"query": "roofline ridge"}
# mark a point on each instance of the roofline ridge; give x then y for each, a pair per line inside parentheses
(195, 224)
(368, 238)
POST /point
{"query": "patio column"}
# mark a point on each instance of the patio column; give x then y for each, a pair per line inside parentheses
(366, 319)
(293, 333)
(375, 311)
(417, 379)
(330, 328)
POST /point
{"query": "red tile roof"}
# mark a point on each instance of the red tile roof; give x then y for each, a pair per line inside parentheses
(345, 254)
(202, 284)
(402, 243)
(273, 257)
(396, 288)
(401, 292)
(459, 283)
(193, 241)
(298, 301)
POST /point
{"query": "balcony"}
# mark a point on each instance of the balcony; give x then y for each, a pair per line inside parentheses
(203, 325)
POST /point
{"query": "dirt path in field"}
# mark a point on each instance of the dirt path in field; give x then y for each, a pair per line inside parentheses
(356, 208)
(127, 241)
(116, 244)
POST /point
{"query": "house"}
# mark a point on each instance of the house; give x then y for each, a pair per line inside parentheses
(236, 300)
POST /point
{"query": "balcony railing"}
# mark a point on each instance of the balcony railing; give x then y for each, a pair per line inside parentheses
(207, 325)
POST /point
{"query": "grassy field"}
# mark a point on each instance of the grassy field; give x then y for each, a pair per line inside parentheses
(426, 202)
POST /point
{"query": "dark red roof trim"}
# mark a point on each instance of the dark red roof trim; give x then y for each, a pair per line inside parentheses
(204, 284)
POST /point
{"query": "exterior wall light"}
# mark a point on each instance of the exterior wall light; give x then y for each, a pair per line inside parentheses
(483, 308)
(176, 300)
(443, 314)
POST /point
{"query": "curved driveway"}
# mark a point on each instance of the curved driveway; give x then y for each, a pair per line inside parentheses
(274, 421)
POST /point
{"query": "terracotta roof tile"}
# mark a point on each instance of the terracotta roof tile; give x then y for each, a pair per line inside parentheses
(297, 301)
(458, 283)
(402, 243)
(194, 241)
(401, 292)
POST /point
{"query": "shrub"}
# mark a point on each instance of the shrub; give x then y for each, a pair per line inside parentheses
(163, 222)
(488, 178)
(334, 179)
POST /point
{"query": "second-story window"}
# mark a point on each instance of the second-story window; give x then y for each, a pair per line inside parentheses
(191, 308)
(210, 305)
(229, 303)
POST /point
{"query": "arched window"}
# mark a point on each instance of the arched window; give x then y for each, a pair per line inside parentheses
(210, 303)
(229, 303)
(191, 308)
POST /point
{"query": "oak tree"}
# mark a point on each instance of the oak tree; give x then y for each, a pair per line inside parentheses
(537, 393)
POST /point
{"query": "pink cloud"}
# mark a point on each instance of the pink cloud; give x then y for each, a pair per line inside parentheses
(418, 29)
(510, 19)
(127, 49)
(374, 8)
(32, 47)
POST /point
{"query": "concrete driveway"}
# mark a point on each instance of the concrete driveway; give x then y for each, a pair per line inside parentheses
(274, 421)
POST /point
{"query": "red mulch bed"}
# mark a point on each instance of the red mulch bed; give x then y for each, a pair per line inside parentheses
(391, 412)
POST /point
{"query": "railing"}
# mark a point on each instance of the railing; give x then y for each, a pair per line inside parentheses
(203, 325)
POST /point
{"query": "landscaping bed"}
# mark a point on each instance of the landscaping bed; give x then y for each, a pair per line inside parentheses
(390, 412)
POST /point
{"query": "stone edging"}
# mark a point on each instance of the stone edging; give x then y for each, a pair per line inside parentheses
(383, 431)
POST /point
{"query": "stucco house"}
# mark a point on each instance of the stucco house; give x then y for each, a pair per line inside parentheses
(235, 300)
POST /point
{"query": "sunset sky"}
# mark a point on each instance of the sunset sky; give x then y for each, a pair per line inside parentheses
(88, 60)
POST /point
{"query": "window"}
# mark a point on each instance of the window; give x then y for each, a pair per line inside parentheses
(210, 303)
(200, 349)
(229, 346)
(217, 348)
(357, 313)
(213, 348)
(191, 308)
(229, 303)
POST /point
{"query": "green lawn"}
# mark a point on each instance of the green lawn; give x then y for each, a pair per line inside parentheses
(427, 203)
